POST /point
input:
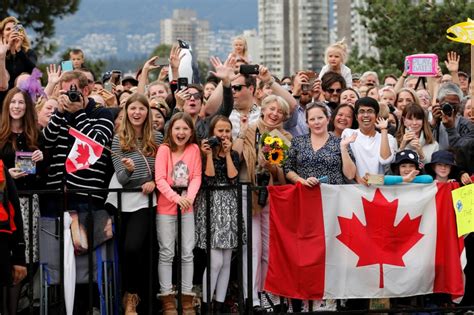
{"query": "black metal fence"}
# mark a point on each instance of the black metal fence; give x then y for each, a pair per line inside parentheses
(104, 285)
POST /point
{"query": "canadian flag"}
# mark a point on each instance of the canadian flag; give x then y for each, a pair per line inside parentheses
(352, 241)
(84, 152)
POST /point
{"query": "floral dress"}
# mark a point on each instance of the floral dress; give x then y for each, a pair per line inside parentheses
(307, 162)
(224, 210)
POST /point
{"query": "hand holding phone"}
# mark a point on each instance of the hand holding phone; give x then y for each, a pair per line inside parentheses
(249, 69)
(66, 65)
(182, 84)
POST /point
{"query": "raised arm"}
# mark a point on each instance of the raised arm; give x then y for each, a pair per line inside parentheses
(224, 72)
(54, 73)
(452, 64)
(4, 75)
(277, 89)
(143, 80)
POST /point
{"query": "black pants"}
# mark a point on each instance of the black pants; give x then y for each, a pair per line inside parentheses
(134, 237)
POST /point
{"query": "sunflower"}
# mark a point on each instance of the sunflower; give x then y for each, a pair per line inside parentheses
(279, 142)
(269, 140)
(276, 156)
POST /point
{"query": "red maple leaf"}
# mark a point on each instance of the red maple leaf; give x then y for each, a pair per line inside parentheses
(82, 154)
(379, 241)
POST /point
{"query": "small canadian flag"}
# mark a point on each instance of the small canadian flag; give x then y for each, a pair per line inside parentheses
(84, 152)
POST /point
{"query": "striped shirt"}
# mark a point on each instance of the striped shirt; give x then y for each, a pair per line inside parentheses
(144, 165)
(94, 121)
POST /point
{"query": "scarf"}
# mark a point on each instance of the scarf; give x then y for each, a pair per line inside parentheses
(250, 154)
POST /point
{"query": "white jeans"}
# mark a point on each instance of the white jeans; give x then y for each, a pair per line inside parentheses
(260, 243)
(167, 228)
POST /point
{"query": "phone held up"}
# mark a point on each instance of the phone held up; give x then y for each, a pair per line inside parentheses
(249, 69)
(182, 84)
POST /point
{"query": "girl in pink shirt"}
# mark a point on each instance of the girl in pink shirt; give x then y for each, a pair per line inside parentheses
(178, 164)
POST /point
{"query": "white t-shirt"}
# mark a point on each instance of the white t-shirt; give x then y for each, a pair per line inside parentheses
(366, 151)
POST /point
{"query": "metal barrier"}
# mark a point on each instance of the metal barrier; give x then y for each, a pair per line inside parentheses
(111, 279)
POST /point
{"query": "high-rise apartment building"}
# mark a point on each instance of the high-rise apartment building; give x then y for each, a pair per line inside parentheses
(185, 25)
(347, 23)
(293, 34)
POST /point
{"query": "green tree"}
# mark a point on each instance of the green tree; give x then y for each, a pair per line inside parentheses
(403, 27)
(162, 51)
(39, 15)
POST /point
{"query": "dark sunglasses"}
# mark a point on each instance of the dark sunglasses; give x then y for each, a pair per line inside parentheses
(195, 95)
(237, 87)
(334, 90)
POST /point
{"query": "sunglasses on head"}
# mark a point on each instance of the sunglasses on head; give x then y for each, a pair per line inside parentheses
(237, 87)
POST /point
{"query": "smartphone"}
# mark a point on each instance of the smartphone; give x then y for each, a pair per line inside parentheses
(249, 69)
(323, 180)
(108, 86)
(161, 62)
(66, 65)
(182, 84)
(116, 77)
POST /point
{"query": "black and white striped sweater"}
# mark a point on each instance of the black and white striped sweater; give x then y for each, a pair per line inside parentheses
(97, 123)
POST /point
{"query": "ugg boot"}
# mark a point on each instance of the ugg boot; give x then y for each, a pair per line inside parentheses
(168, 303)
(130, 302)
(187, 301)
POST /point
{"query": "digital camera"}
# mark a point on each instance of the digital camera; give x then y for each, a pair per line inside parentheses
(447, 109)
(73, 94)
(213, 141)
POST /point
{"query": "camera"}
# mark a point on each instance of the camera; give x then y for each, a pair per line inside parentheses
(18, 28)
(73, 94)
(447, 109)
(249, 69)
(213, 141)
(263, 179)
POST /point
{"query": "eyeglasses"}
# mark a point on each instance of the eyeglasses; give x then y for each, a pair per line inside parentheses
(366, 112)
(195, 95)
(238, 87)
(334, 90)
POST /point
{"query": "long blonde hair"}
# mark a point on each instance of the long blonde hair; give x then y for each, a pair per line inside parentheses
(25, 45)
(127, 136)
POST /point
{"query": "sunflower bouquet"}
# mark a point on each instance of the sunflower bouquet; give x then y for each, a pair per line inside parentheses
(274, 149)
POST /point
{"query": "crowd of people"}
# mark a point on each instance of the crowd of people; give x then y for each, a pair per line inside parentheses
(168, 139)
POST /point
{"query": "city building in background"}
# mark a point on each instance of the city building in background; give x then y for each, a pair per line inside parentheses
(293, 34)
(185, 25)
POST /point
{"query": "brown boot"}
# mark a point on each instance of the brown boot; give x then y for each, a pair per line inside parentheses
(130, 302)
(188, 304)
(169, 304)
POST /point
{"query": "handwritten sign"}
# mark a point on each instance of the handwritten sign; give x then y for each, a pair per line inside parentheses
(463, 201)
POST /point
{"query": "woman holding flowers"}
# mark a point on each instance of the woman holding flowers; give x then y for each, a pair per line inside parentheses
(319, 153)
(263, 169)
